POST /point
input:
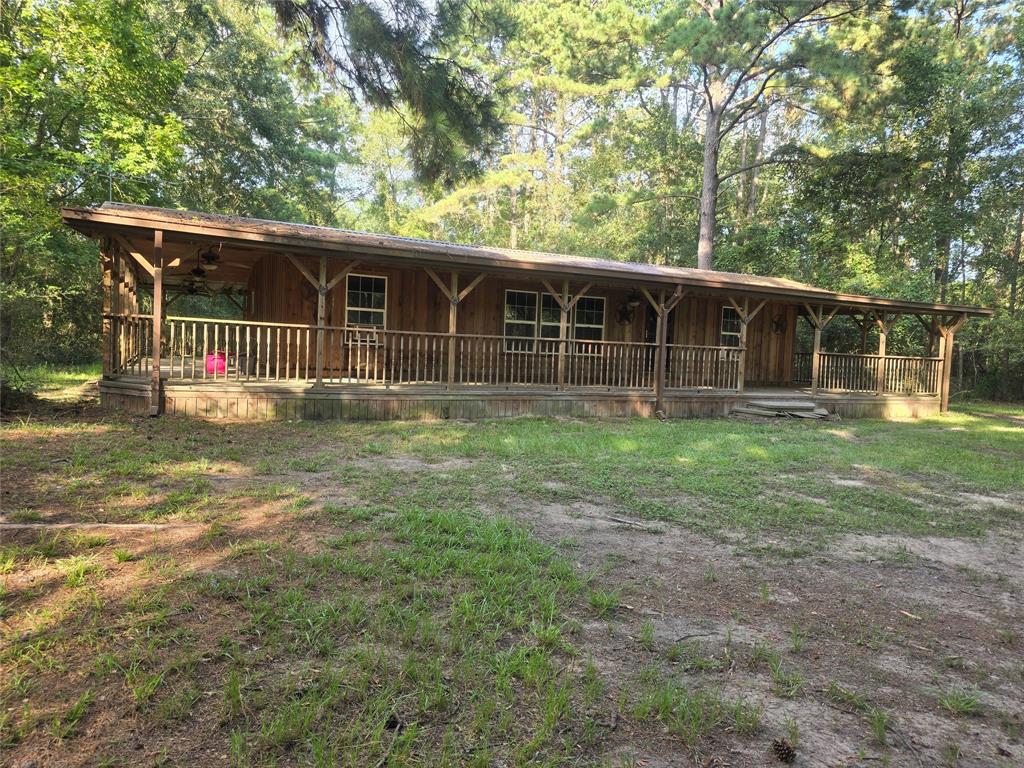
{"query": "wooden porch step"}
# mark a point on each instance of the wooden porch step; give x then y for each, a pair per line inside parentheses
(783, 404)
(749, 411)
(781, 407)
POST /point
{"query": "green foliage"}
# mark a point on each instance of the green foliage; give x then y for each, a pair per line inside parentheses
(407, 55)
(875, 149)
(195, 104)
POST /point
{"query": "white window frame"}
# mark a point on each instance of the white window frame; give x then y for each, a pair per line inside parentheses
(722, 333)
(541, 323)
(538, 324)
(360, 333)
(511, 342)
(576, 324)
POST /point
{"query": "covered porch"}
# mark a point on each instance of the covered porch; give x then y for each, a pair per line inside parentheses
(329, 323)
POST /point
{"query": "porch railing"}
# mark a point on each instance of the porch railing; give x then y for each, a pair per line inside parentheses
(626, 365)
(701, 367)
(240, 350)
(802, 363)
(913, 375)
(839, 372)
(250, 351)
(847, 373)
(131, 344)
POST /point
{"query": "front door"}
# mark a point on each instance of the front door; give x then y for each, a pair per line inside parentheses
(651, 327)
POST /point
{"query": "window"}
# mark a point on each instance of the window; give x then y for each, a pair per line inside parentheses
(520, 320)
(550, 316)
(366, 301)
(588, 319)
(523, 319)
(730, 336)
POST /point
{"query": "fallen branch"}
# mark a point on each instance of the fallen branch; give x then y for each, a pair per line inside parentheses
(631, 523)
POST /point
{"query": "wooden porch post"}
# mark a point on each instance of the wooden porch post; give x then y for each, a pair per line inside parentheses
(742, 373)
(453, 318)
(745, 316)
(881, 319)
(158, 320)
(943, 377)
(662, 308)
(819, 320)
(323, 288)
(816, 357)
(947, 332)
(563, 329)
(659, 356)
(454, 296)
(565, 305)
(321, 315)
(108, 325)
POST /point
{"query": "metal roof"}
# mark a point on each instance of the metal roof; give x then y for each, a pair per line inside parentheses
(135, 221)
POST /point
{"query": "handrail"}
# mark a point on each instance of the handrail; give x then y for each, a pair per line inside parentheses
(870, 355)
(232, 321)
(705, 346)
(370, 330)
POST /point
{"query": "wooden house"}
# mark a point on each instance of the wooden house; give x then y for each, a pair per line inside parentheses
(339, 324)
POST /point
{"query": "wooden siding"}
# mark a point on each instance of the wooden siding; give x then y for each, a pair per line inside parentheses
(770, 336)
(280, 294)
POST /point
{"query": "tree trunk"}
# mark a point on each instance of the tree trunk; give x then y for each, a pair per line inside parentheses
(1015, 262)
(743, 188)
(513, 235)
(709, 190)
(762, 134)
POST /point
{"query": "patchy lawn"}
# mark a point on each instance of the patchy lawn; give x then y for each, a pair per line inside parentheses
(180, 592)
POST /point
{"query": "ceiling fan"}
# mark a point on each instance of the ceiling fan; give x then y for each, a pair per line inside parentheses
(199, 271)
(210, 258)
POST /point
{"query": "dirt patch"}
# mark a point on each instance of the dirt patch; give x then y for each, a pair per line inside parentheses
(998, 557)
(847, 482)
(987, 500)
(896, 631)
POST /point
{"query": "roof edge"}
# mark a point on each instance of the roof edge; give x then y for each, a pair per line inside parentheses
(108, 216)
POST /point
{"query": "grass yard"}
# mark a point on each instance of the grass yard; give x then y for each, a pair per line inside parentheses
(181, 592)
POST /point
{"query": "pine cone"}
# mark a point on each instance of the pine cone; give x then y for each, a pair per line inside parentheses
(784, 750)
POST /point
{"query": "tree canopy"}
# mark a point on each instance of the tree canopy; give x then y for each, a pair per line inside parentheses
(859, 145)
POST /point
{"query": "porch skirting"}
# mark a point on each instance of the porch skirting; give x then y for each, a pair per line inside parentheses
(302, 401)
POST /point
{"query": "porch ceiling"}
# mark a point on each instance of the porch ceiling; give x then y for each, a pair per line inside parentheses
(242, 241)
